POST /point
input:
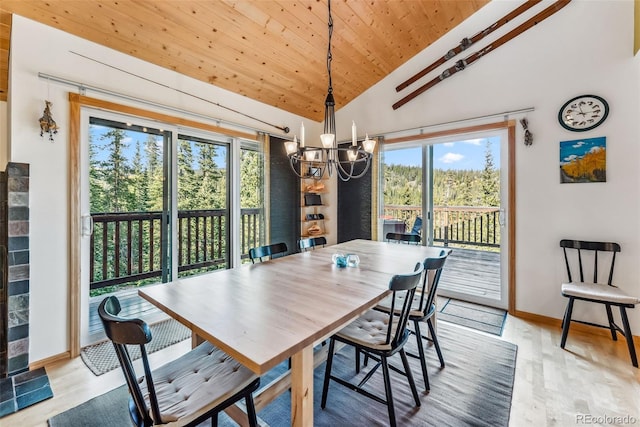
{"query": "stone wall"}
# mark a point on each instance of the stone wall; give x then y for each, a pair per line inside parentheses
(15, 266)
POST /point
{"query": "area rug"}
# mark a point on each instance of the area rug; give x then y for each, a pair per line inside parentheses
(101, 357)
(474, 389)
(475, 316)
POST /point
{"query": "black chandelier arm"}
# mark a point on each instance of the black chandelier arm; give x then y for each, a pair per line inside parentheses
(346, 176)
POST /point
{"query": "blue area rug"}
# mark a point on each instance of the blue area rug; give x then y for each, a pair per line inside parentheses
(474, 389)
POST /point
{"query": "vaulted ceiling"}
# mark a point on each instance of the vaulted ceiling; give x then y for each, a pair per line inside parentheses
(273, 51)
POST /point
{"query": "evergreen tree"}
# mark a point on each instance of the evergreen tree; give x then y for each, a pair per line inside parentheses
(187, 180)
(154, 171)
(139, 183)
(115, 171)
(251, 182)
(490, 182)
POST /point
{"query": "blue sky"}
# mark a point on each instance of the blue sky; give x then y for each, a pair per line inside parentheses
(466, 154)
(572, 150)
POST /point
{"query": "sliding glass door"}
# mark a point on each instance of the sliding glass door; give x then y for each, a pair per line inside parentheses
(158, 203)
(450, 191)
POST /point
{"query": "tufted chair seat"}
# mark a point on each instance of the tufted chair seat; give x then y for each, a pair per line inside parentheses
(369, 330)
(184, 392)
(190, 386)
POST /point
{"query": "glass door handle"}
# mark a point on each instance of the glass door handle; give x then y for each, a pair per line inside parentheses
(501, 217)
(86, 225)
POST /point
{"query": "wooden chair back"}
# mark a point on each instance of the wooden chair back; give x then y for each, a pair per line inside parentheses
(397, 332)
(431, 279)
(403, 237)
(123, 332)
(311, 243)
(267, 251)
(577, 264)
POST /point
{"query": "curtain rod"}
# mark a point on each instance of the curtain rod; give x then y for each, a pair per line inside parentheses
(83, 87)
(457, 122)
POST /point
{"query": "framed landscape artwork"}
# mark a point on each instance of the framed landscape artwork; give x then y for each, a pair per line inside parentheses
(583, 160)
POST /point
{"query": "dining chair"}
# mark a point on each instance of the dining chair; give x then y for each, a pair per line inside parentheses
(403, 237)
(311, 243)
(379, 336)
(423, 309)
(596, 291)
(267, 251)
(186, 391)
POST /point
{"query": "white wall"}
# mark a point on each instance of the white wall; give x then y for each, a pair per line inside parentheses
(542, 68)
(36, 48)
(585, 48)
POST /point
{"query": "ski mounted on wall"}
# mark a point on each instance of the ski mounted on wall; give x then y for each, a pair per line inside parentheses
(463, 63)
(468, 41)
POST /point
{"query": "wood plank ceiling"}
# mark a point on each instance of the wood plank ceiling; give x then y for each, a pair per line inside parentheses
(273, 51)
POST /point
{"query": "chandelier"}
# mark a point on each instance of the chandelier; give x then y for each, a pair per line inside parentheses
(314, 162)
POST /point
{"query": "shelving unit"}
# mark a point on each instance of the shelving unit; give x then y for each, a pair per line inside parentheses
(313, 214)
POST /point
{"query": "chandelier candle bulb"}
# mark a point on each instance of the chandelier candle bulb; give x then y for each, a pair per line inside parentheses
(354, 138)
(301, 134)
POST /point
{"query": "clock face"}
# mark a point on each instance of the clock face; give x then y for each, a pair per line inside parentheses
(582, 113)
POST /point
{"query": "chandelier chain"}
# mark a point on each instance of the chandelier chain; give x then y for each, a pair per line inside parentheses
(329, 55)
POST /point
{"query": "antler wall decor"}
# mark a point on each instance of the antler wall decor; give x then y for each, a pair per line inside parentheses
(47, 124)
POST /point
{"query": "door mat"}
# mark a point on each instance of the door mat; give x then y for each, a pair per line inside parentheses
(101, 357)
(475, 316)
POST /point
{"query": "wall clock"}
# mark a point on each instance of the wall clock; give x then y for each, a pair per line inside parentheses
(582, 113)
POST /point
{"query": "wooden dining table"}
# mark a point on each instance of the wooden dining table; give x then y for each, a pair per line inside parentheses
(264, 313)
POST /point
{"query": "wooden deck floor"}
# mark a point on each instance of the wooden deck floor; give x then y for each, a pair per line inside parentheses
(473, 272)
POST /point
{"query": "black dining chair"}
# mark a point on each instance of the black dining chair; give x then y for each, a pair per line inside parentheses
(403, 237)
(311, 243)
(186, 391)
(261, 253)
(596, 291)
(379, 336)
(423, 309)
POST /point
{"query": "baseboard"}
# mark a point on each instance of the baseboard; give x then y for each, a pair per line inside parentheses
(580, 327)
(49, 360)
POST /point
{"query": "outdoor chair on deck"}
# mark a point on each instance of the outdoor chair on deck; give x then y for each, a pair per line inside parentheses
(311, 243)
(379, 336)
(268, 251)
(423, 309)
(403, 237)
(185, 391)
(596, 292)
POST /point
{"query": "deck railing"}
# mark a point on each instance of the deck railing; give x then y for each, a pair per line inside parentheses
(126, 247)
(464, 225)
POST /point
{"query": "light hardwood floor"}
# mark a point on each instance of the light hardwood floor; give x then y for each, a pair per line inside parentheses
(593, 377)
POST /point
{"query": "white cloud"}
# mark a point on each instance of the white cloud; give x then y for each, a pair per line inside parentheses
(570, 158)
(477, 141)
(451, 158)
(578, 145)
(595, 149)
(448, 144)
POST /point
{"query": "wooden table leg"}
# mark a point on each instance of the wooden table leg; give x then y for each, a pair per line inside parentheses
(302, 388)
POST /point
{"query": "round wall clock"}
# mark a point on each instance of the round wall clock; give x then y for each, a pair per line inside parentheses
(582, 113)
